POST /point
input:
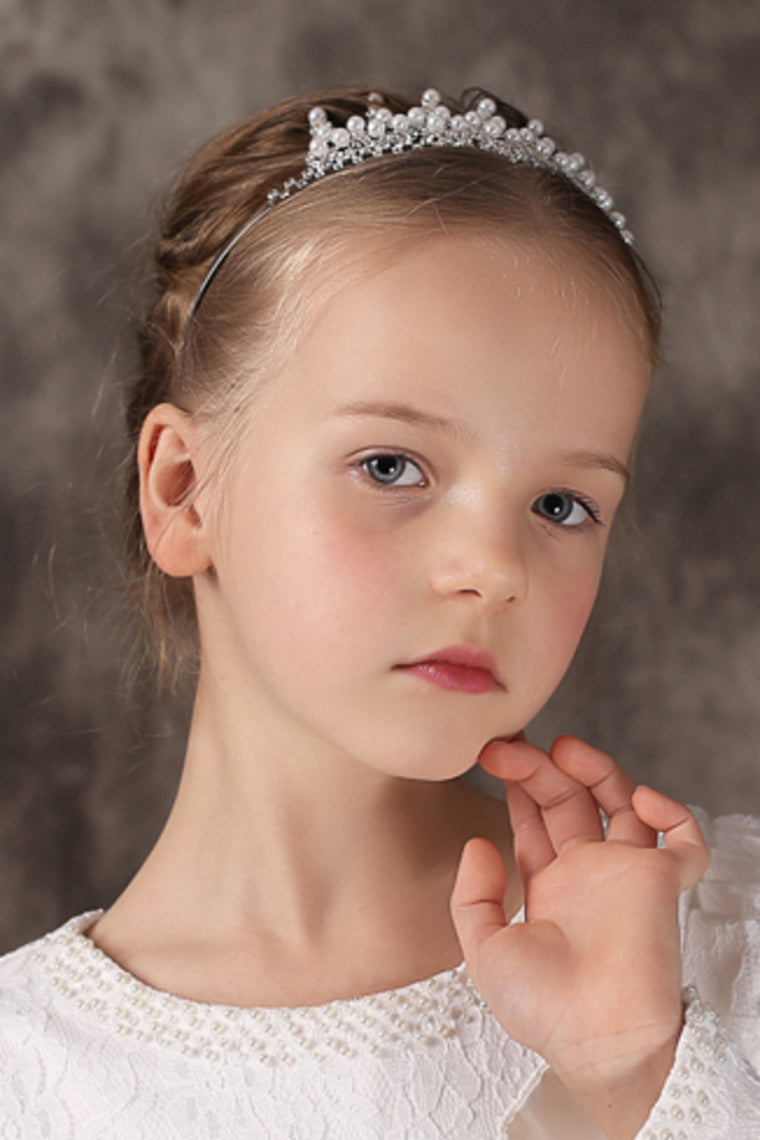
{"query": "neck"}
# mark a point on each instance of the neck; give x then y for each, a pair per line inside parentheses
(288, 851)
(284, 833)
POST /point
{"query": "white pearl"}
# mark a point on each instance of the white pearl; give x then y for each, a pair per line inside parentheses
(431, 98)
(485, 108)
(340, 138)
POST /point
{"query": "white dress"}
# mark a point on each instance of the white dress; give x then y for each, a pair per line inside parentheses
(87, 1051)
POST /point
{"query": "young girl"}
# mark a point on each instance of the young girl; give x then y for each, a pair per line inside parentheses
(390, 386)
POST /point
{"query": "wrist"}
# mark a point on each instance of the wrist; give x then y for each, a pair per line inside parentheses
(619, 1093)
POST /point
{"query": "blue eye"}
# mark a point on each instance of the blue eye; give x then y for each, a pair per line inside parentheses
(564, 509)
(394, 470)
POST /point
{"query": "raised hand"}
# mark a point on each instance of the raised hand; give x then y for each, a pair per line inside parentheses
(592, 979)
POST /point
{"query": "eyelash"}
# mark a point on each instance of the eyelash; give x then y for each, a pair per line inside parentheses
(406, 460)
(592, 511)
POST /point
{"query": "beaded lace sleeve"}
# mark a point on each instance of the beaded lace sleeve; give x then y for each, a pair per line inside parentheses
(713, 1092)
(713, 1089)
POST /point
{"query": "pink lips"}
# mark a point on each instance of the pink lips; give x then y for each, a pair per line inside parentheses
(459, 669)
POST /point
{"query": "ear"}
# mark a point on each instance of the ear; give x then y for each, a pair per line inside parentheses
(167, 458)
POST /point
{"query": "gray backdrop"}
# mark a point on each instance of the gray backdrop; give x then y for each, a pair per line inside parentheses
(101, 103)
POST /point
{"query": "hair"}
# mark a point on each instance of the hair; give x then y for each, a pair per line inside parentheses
(210, 359)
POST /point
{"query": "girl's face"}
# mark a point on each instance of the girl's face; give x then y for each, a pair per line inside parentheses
(429, 482)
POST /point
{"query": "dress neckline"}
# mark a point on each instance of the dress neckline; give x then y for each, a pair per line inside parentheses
(432, 1008)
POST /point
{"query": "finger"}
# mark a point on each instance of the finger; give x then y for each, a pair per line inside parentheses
(477, 901)
(609, 784)
(533, 847)
(568, 809)
(682, 834)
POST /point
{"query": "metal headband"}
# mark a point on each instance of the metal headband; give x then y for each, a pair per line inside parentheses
(431, 124)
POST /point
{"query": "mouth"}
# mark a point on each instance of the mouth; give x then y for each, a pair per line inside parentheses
(457, 668)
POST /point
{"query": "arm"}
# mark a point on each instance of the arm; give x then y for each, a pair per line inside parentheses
(591, 980)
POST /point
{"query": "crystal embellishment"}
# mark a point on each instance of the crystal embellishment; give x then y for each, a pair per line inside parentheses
(431, 124)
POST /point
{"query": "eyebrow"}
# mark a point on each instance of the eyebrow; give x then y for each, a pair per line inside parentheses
(406, 413)
(596, 461)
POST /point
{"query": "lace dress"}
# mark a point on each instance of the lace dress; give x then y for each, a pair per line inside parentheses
(87, 1051)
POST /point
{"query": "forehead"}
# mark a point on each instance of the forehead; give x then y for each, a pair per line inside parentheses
(472, 326)
(452, 295)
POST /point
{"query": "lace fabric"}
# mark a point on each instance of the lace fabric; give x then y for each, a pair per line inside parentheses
(89, 1052)
(425, 1060)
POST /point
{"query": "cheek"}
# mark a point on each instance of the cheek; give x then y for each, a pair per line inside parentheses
(330, 576)
(571, 604)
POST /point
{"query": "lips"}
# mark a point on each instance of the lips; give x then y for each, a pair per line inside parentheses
(457, 668)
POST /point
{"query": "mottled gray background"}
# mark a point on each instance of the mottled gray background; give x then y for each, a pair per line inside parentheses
(101, 101)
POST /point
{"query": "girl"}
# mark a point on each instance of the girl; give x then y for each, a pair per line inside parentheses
(390, 386)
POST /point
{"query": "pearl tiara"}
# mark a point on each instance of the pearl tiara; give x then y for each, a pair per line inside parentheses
(431, 124)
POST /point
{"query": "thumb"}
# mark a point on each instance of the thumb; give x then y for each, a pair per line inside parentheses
(477, 901)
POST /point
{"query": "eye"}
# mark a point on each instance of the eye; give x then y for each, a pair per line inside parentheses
(564, 509)
(394, 470)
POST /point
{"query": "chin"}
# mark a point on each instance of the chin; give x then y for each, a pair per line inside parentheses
(434, 765)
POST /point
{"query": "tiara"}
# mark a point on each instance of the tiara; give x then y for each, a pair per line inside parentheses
(431, 124)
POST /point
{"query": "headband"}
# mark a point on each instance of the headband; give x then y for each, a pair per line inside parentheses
(431, 124)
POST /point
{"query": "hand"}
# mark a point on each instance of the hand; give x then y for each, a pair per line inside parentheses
(592, 979)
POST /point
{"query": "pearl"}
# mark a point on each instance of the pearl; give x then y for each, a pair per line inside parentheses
(495, 126)
(485, 108)
(340, 138)
(317, 116)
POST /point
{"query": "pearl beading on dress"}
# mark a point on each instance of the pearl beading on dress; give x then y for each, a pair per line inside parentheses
(684, 1106)
(427, 1011)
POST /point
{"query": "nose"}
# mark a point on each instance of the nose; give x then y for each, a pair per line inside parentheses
(482, 555)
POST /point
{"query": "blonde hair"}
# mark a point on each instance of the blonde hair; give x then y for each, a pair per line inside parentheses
(261, 298)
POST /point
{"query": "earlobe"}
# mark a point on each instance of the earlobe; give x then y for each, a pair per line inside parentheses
(167, 460)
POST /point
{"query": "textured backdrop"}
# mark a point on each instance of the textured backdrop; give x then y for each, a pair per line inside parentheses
(101, 101)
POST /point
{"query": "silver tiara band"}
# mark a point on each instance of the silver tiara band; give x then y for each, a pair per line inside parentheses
(431, 124)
